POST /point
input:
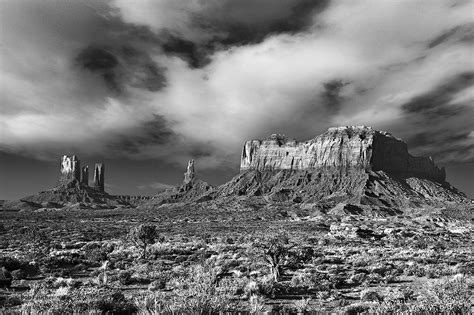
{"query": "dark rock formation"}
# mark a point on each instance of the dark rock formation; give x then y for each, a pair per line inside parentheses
(99, 177)
(85, 175)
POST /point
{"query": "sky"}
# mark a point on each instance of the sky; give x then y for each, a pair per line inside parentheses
(144, 86)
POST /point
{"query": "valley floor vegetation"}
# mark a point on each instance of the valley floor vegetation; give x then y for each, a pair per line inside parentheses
(182, 260)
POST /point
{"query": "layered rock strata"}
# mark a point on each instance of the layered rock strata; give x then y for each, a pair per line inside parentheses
(340, 149)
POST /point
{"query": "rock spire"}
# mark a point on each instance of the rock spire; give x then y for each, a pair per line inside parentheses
(70, 169)
(189, 176)
(85, 175)
(99, 177)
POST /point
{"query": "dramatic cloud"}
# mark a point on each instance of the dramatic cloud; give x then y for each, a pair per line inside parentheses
(436, 104)
(174, 80)
(222, 21)
(122, 66)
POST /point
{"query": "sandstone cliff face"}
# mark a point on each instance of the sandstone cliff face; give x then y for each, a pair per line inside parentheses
(340, 149)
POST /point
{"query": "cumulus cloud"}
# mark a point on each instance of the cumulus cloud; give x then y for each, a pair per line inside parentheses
(194, 79)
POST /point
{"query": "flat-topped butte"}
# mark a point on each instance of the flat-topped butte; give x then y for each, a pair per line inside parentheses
(342, 148)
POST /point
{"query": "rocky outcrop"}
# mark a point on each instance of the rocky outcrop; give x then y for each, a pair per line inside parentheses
(340, 149)
(99, 183)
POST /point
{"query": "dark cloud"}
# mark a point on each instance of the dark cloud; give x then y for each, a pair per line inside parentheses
(249, 22)
(331, 95)
(444, 145)
(101, 61)
(196, 55)
(436, 104)
(201, 150)
(460, 33)
(432, 138)
(212, 26)
(440, 123)
(152, 132)
(121, 66)
(97, 59)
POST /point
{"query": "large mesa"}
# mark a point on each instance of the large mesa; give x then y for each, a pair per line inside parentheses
(351, 164)
(339, 149)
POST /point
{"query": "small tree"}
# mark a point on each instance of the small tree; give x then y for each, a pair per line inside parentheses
(275, 248)
(143, 235)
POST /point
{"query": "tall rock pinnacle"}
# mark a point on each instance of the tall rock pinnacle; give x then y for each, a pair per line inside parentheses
(189, 176)
(85, 175)
(70, 169)
(99, 177)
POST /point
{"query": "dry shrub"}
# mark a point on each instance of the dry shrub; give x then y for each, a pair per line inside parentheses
(200, 290)
(446, 296)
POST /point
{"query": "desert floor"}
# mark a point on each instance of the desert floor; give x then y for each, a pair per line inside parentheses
(211, 259)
